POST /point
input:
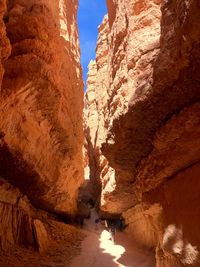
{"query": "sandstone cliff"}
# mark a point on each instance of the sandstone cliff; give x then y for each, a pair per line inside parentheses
(41, 131)
(41, 103)
(150, 120)
(96, 112)
(120, 63)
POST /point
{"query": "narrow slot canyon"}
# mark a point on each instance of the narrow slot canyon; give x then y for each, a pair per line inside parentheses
(104, 170)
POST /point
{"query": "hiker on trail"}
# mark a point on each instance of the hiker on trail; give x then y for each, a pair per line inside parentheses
(112, 232)
(121, 223)
(96, 223)
(106, 223)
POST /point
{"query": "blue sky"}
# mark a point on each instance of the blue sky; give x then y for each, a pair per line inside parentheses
(90, 15)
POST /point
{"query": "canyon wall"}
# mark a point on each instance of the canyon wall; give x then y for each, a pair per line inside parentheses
(41, 124)
(147, 151)
(95, 110)
(41, 103)
(120, 63)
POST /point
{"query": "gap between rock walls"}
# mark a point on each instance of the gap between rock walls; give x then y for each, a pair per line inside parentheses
(128, 148)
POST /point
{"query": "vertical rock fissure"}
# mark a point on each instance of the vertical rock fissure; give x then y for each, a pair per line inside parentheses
(141, 120)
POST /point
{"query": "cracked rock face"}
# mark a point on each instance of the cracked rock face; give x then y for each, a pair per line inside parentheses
(148, 145)
(18, 226)
(5, 45)
(127, 46)
(41, 101)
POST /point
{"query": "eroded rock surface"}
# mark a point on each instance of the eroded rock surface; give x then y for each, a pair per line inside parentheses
(41, 101)
(16, 224)
(5, 45)
(95, 110)
(150, 123)
(127, 46)
(41, 132)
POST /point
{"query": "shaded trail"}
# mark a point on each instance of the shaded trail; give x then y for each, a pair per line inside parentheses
(99, 251)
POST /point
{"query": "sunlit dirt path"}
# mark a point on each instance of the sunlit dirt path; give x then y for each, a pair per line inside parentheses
(99, 251)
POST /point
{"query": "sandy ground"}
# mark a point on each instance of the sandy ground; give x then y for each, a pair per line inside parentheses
(69, 248)
(99, 251)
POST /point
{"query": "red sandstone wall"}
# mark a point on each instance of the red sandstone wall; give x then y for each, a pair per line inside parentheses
(151, 124)
(41, 102)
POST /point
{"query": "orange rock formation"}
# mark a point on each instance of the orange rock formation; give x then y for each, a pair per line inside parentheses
(41, 131)
(141, 123)
(41, 102)
(143, 119)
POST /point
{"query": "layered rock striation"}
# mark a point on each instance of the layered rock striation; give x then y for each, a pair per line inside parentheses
(150, 123)
(18, 224)
(41, 102)
(128, 42)
(41, 129)
(95, 109)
